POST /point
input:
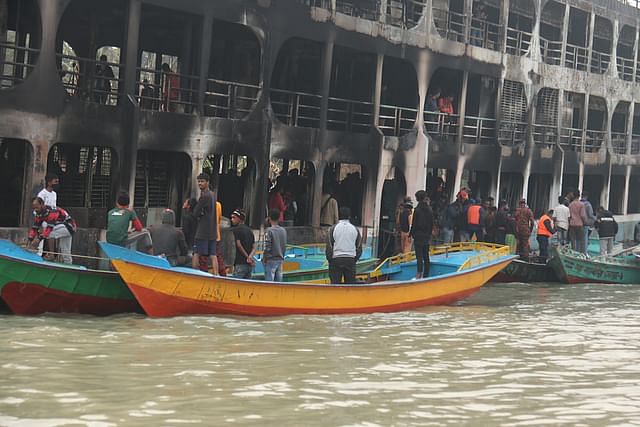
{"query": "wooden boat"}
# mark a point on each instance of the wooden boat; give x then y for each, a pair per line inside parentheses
(576, 267)
(526, 272)
(29, 286)
(164, 293)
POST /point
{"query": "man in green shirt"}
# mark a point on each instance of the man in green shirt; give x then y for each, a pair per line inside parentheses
(118, 220)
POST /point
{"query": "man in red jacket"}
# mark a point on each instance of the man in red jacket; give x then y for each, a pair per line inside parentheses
(52, 223)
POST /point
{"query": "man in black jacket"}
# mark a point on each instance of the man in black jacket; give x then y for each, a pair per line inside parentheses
(421, 230)
(607, 229)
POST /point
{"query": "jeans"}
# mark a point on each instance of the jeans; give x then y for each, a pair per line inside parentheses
(447, 235)
(242, 271)
(606, 245)
(562, 236)
(465, 236)
(342, 267)
(422, 258)
(273, 270)
(576, 234)
(585, 248)
(543, 243)
(61, 234)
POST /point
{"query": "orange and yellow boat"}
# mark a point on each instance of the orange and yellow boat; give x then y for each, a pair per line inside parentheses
(163, 292)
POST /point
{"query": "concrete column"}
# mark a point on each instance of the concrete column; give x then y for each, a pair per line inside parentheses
(457, 182)
(580, 174)
(613, 61)
(468, 13)
(497, 181)
(625, 197)
(316, 202)
(132, 37)
(585, 117)
(629, 127)
(565, 31)
(604, 194)
(592, 24)
(463, 106)
(558, 172)
(504, 22)
(325, 82)
(377, 90)
(635, 56)
(205, 57)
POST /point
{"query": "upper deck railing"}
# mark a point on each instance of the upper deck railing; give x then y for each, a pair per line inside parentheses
(635, 144)
(167, 91)
(91, 80)
(229, 100)
(576, 57)
(551, 51)
(485, 34)
(600, 62)
(594, 139)
(545, 135)
(619, 142)
(395, 121)
(518, 41)
(16, 63)
(296, 108)
(512, 132)
(451, 25)
(571, 139)
(441, 125)
(625, 68)
(349, 115)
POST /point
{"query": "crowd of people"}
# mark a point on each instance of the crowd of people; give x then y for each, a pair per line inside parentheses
(468, 219)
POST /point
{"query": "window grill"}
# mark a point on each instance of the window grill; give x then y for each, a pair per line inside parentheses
(152, 184)
(513, 110)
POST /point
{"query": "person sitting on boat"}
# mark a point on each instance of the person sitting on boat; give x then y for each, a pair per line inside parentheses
(168, 240)
(607, 229)
(421, 229)
(120, 219)
(52, 223)
(545, 231)
(343, 248)
(245, 246)
(524, 225)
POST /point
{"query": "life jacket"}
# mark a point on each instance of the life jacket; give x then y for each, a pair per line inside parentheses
(542, 229)
(473, 215)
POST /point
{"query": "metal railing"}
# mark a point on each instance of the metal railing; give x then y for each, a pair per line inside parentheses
(451, 25)
(594, 140)
(296, 108)
(576, 57)
(544, 135)
(635, 143)
(229, 100)
(637, 77)
(349, 116)
(551, 51)
(625, 68)
(169, 92)
(395, 121)
(366, 9)
(441, 125)
(512, 132)
(600, 62)
(405, 13)
(479, 130)
(518, 41)
(571, 139)
(619, 142)
(91, 80)
(485, 34)
(16, 63)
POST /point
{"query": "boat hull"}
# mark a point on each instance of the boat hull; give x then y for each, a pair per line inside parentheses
(31, 288)
(526, 272)
(163, 293)
(574, 267)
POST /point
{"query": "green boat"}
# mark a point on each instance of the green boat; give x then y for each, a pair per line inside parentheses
(576, 267)
(30, 286)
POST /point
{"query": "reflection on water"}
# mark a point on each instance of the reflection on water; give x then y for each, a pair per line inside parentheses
(513, 355)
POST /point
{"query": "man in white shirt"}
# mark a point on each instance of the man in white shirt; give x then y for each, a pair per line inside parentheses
(344, 247)
(48, 193)
(561, 219)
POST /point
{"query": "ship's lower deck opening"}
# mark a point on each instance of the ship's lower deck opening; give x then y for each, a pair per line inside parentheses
(15, 160)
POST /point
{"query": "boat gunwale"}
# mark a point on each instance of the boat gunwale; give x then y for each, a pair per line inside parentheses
(60, 267)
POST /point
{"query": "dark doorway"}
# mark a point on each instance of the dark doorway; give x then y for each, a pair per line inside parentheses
(394, 190)
(15, 156)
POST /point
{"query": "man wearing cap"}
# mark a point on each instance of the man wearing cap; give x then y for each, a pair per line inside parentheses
(168, 240)
(245, 245)
(524, 225)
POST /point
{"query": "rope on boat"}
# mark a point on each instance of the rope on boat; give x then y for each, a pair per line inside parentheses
(35, 251)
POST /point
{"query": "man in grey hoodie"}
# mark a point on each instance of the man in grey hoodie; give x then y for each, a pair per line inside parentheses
(275, 244)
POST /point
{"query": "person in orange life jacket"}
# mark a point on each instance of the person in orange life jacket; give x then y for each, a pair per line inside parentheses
(421, 229)
(475, 220)
(52, 223)
(545, 231)
(607, 229)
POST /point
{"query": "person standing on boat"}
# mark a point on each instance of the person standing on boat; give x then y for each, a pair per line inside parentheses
(206, 229)
(524, 225)
(343, 249)
(404, 225)
(275, 245)
(590, 221)
(52, 223)
(561, 216)
(421, 229)
(545, 231)
(449, 220)
(607, 229)
(577, 221)
(475, 220)
(245, 246)
(502, 222)
(189, 222)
